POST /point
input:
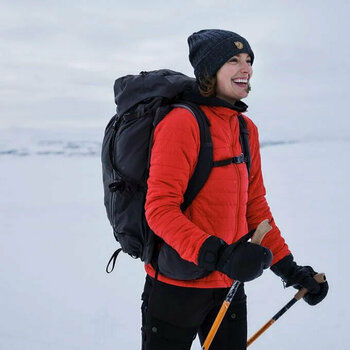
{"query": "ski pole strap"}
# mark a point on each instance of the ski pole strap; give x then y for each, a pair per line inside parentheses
(113, 260)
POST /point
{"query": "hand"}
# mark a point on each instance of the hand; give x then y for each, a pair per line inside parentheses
(301, 277)
(242, 261)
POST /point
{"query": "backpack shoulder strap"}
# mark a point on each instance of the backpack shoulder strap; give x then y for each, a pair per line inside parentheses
(205, 156)
(244, 140)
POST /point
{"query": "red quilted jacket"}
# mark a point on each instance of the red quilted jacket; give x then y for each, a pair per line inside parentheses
(228, 206)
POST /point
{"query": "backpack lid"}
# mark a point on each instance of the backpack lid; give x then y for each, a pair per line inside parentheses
(132, 89)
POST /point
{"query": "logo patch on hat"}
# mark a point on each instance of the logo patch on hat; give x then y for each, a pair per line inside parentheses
(239, 45)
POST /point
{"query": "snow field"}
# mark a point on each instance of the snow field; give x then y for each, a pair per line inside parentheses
(55, 242)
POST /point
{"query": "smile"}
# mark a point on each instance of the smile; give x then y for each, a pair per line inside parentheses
(242, 81)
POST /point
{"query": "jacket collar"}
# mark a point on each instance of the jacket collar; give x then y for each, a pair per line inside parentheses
(192, 94)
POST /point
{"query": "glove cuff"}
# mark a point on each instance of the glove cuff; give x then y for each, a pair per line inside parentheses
(209, 252)
(285, 268)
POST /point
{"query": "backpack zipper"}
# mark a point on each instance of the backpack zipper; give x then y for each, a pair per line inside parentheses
(112, 157)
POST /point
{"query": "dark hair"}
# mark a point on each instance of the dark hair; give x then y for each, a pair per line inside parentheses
(207, 85)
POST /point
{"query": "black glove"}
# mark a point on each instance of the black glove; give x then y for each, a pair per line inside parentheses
(242, 261)
(299, 277)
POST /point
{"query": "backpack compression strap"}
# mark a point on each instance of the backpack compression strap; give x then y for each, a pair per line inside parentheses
(205, 156)
(244, 139)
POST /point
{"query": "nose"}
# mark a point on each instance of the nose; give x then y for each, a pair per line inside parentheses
(246, 68)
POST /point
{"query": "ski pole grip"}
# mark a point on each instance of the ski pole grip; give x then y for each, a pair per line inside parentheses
(260, 232)
(320, 278)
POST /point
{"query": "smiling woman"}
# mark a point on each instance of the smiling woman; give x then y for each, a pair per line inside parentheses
(202, 249)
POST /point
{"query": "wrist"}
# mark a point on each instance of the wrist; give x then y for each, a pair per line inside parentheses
(285, 268)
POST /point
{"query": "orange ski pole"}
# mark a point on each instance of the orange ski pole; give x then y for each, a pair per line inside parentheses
(258, 236)
(320, 278)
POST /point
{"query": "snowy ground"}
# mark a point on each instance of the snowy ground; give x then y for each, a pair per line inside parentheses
(55, 241)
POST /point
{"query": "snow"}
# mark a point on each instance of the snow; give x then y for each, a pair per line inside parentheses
(55, 241)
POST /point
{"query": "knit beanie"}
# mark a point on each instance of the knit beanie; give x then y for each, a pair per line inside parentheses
(211, 48)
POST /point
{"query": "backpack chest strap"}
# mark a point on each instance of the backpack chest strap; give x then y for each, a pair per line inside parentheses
(234, 160)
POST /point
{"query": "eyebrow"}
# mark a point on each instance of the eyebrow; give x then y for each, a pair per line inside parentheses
(242, 53)
(238, 55)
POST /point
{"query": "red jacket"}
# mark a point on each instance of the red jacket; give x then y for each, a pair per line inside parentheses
(228, 206)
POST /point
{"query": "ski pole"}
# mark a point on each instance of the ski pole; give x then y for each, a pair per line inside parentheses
(320, 278)
(258, 236)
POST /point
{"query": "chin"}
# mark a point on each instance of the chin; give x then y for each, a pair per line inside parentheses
(242, 96)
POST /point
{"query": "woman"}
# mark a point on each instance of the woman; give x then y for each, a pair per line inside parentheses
(210, 234)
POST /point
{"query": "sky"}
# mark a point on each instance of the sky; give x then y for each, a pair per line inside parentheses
(59, 59)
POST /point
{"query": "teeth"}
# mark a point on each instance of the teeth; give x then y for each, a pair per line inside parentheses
(245, 81)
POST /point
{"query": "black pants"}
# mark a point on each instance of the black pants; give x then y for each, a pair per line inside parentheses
(172, 317)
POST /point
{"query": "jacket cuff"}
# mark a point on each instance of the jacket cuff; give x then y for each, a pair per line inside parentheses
(209, 252)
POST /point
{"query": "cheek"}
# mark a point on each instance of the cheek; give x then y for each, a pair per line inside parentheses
(221, 86)
(251, 72)
(224, 78)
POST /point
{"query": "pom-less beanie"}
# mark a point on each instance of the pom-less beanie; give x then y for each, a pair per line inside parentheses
(211, 48)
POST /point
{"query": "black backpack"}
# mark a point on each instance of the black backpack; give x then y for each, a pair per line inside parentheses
(142, 102)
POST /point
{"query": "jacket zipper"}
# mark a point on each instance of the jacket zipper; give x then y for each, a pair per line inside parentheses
(238, 196)
(238, 180)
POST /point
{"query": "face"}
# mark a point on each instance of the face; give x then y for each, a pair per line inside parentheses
(233, 78)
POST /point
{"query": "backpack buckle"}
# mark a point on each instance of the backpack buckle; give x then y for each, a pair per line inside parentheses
(118, 185)
(240, 159)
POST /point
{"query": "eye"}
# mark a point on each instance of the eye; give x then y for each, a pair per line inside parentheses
(233, 60)
(249, 61)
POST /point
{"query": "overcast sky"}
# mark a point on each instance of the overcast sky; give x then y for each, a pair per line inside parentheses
(59, 59)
